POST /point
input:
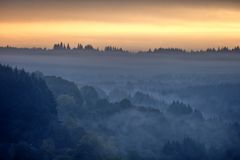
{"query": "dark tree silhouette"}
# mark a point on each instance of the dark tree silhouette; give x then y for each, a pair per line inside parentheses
(27, 107)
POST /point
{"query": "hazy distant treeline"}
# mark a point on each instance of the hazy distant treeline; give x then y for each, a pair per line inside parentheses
(108, 49)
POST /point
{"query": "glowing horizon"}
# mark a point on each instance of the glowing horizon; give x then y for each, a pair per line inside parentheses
(134, 27)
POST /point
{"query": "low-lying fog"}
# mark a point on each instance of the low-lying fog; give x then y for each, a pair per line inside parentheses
(90, 67)
(189, 95)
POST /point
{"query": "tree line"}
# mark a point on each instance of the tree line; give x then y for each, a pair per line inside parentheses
(89, 47)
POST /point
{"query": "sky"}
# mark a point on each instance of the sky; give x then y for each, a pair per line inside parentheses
(131, 24)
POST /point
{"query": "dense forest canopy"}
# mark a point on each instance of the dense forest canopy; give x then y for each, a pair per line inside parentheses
(27, 106)
(48, 117)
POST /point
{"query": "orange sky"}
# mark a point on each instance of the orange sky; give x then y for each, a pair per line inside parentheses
(130, 24)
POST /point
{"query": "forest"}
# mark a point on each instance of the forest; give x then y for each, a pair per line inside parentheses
(47, 117)
(88, 48)
(119, 79)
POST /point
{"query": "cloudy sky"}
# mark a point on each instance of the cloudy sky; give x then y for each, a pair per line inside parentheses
(132, 24)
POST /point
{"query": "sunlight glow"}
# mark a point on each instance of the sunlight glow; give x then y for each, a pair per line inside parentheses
(189, 28)
(119, 29)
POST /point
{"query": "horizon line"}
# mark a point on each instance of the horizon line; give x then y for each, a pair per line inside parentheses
(80, 46)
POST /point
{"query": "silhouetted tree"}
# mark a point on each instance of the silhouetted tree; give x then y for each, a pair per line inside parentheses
(89, 47)
(68, 47)
(79, 47)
